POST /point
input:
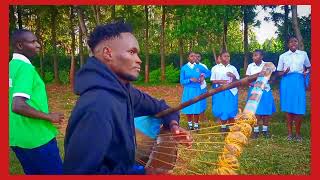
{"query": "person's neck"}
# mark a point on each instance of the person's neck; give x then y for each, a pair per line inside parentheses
(293, 50)
(258, 63)
(21, 53)
(225, 64)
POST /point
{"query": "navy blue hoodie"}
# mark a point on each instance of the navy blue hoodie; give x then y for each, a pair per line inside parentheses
(100, 136)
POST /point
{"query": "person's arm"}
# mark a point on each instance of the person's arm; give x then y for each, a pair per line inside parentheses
(213, 78)
(87, 140)
(280, 69)
(20, 106)
(145, 105)
(184, 80)
(205, 70)
(306, 63)
(22, 85)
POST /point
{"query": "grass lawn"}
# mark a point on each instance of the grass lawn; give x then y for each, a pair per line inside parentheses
(262, 156)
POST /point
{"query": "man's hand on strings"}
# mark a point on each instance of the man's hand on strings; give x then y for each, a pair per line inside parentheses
(181, 135)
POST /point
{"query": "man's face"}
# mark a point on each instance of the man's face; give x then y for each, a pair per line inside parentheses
(124, 61)
(28, 45)
(293, 44)
(256, 57)
(192, 57)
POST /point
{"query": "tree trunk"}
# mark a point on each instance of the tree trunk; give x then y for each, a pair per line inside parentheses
(54, 14)
(225, 33)
(83, 28)
(286, 26)
(19, 12)
(295, 26)
(12, 18)
(73, 46)
(96, 14)
(162, 53)
(81, 48)
(38, 34)
(181, 51)
(146, 68)
(113, 13)
(245, 38)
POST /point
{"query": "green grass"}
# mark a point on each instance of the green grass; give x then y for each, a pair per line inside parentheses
(261, 156)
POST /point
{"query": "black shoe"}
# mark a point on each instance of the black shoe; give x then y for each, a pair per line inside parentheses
(196, 129)
(223, 130)
(266, 134)
(290, 138)
(255, 135)
(298, 139)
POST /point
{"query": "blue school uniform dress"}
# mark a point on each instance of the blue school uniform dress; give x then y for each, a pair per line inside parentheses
(266, 105)
(225, 103)
(190, 89)
(203, 86)
(292, 85)
(308, 80)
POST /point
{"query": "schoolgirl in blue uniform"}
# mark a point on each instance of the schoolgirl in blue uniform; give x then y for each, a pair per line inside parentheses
(292, 65)
(225, 103)
(203, 86)
(266, 105)
(190, 80)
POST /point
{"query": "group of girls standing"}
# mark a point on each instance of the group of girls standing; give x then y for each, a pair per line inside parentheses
(293, 68)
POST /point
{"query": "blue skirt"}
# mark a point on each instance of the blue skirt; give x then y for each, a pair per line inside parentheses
(266, 105)
(224, 105)
(204, 101)
(190, 93)
(293, 94)
(308, 80)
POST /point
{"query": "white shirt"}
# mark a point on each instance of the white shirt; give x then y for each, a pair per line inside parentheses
(253, 68)
(190, 65)
(295, 60)
(219, 72)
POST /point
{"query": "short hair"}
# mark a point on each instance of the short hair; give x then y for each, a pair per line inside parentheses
(18, 34)
(291, 37)
(223, 52)
(260, 51)
(107, 31)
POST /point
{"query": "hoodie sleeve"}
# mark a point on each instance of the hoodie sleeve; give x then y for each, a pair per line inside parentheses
(145, 105)
(86, 144)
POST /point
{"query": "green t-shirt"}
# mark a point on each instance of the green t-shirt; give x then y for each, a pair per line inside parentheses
(26, 132)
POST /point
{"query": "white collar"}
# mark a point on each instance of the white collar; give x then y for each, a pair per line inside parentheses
(224, 65)
(190, 65)
(254, 64)
(21, 58)
(295, 52)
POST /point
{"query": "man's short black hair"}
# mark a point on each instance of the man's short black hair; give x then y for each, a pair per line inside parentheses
(17, 35)
(259, 51)
(107, 31)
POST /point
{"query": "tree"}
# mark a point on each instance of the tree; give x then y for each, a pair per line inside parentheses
(248, 18)
(19, 12)
(162, 41)
(146, 75)
(295, 26)
(12, 19)
(54, 14)
(72, 49)
(96, 14)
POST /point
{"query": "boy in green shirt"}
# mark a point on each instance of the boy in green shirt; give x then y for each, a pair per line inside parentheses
(31, 132)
